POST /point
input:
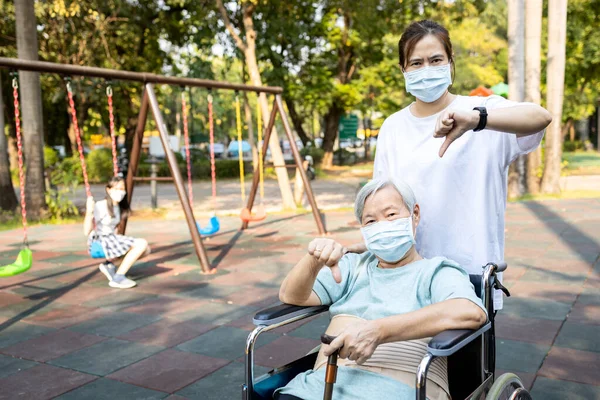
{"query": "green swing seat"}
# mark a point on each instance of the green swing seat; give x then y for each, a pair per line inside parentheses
(22, 264)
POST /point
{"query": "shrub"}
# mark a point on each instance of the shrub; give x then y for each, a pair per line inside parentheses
(67, 172)
(59, 205)
(344, 157)
(200, 169)
(315, 152)
(573, 145)
(50, 157)
(99, 165)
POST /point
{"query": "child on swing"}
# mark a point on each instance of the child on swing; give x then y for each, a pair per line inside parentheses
(122, 251)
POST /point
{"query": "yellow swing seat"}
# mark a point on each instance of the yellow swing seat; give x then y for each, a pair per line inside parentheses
(22, 264)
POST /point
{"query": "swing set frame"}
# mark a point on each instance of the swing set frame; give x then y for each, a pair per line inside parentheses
(150, 102)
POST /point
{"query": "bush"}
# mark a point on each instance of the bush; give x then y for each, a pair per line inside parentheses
(575, 145)
(200, 169)
(50, 157)
(67, 172)
(59, 205)
(100, 165)
(344, 157)
(315, 152)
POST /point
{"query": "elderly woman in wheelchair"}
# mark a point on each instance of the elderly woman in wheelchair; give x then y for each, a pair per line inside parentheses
(386, 306)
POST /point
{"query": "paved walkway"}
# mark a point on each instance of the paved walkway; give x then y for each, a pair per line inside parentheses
(180, 335)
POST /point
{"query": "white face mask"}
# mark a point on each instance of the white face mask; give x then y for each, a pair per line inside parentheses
(429, 83)
(389, 240)
(117, 195)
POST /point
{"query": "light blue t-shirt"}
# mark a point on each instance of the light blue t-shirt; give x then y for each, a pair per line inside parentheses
(370, 292)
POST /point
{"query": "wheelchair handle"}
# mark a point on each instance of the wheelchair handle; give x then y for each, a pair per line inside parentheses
(501, 266)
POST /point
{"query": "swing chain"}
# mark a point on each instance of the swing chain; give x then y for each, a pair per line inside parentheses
(111, 119)
(211, 130)
(186, 137)
(15, 85)
(78, 137)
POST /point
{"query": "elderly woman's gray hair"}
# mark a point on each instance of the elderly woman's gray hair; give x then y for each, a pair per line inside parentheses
(408, 196)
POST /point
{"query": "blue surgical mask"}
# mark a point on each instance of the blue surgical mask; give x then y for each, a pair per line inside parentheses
(389, 240)
(429, 83)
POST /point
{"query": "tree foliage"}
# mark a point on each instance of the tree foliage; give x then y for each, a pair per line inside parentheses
(331, 56)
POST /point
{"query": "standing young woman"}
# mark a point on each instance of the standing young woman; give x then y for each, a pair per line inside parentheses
(120, 250)
(454, 151)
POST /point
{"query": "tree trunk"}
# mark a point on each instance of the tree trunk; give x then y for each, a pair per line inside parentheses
(13, 157)
(332, 121)
(256, 80)
(296, 120)
(517, 184)
(557, 36)
(8, 199)
(31, 107)
(533, 49)
(248, 116)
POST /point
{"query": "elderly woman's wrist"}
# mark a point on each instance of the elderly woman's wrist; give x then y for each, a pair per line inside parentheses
(378, 327)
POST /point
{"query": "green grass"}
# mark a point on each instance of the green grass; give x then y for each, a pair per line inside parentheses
(15, 223)
(582, 162)
(574, 194)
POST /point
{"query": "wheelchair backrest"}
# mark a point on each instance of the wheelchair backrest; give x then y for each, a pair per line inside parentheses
(477, 281)
(465, 366)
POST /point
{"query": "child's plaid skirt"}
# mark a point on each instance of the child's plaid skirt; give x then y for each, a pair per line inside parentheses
(114, 245)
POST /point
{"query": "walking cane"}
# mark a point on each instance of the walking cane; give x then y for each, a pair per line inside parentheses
(331, 371)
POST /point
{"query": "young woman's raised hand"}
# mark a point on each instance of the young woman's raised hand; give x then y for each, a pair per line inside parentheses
(452, 124)
(89, 205)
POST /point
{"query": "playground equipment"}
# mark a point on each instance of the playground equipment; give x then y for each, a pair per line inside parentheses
(481, 91)
(246, 214)
(213, 224)
(149, 101)
(111, 124)
(25, 257)
(96, 250)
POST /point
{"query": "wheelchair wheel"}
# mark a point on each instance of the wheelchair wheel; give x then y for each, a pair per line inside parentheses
(508, 387)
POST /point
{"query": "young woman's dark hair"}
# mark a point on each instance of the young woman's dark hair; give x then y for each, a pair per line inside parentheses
(417, 31)
(123, 204)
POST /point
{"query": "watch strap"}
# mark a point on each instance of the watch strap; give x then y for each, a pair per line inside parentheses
(482, 119)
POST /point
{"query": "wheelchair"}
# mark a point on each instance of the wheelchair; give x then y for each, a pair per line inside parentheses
(470, 353)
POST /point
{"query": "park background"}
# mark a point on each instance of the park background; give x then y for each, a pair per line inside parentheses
(180, 334)
(335, 60)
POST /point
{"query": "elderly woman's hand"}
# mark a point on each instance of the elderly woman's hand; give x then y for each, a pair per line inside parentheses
(357, 342)
(328, 253)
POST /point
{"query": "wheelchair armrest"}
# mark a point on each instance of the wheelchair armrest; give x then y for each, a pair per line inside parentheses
(449, 342)
(286, 312)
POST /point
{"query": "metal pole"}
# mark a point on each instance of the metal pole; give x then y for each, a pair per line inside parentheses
(136, 152)
(256, 176)
(67, 69)
(153, 194)
(185, 203)
(298, 159)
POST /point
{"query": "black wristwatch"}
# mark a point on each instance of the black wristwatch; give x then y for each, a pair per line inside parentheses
(482, 119)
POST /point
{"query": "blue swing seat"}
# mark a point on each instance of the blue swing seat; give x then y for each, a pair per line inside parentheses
(212, 228)
(96, 250)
